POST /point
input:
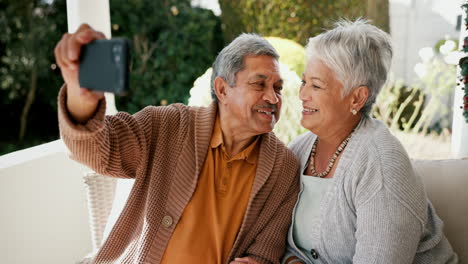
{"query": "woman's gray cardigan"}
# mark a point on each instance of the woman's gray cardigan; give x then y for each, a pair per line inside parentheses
(377, 210)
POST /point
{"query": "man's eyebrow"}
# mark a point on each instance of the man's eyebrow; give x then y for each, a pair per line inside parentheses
(259, 76)
(264, 77)
(280, 81)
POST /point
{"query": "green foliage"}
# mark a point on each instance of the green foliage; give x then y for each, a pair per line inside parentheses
(292, 53)
(422, 107)
(288, 126)
(291, 67)
(291, 57)
(292, 19)
(29, 37)
(399, 106)
(29, 79)
(437, 84)
(172, 45)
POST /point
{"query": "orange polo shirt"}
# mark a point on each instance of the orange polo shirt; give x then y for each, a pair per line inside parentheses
(209, 224)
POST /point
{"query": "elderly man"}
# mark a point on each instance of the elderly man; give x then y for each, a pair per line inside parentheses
(212, 185)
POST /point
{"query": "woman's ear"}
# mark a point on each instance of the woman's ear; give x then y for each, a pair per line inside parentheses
(220, 87)
(359, 97)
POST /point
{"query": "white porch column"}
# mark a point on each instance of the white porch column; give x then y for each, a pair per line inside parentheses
(99, 190)
(459, 125)
(95, 13)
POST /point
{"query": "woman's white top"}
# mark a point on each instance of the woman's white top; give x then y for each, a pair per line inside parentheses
(308, 210)
(376, 209)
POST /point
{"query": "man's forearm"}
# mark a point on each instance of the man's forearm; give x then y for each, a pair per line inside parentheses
(79, 109)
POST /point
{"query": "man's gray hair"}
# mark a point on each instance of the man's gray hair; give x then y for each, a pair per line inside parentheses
(358, 53)
(230, 60)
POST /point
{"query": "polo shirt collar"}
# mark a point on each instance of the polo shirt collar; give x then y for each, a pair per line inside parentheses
(248, 154)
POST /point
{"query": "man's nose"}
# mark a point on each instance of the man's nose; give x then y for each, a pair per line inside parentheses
(270, 96)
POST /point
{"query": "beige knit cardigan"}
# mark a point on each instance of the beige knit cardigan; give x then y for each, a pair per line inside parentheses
(164, 149)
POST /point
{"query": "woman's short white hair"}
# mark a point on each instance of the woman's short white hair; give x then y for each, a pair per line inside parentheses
(358, 53)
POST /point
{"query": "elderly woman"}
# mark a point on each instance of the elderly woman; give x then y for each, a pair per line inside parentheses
(360, 200)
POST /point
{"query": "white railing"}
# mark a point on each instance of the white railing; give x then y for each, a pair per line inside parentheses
(44, 217)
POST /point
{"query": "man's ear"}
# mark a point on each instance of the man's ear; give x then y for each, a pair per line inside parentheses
(359, 97)
(220, 88)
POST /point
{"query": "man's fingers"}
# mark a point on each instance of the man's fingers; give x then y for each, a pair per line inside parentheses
(67, 51)
(244, 260)
(67, 55)
(83, 26)
(63, 54)
(90, 94)
(70, 51)
(74, 48)
(59, 52)
(84, 35)
(87, 35)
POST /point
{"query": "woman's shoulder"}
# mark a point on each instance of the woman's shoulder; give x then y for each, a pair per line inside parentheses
(375, 139)
(300, 143)
(390, 164)
(375, 145)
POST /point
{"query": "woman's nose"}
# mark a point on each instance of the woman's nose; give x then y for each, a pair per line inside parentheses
(303, 96)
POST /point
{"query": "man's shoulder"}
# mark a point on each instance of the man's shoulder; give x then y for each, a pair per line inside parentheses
(175, 111)
(283, 152)
(172, 109)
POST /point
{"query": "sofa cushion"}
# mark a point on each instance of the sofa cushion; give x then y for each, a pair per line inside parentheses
(446, 183)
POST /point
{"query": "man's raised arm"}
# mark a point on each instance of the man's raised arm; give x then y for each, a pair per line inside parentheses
(81, 102)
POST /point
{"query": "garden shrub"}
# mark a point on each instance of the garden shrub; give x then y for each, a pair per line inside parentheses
(424, 106)
(29, 77)
(172, 44)
(292, 19)
(288, 126)
(292, 53)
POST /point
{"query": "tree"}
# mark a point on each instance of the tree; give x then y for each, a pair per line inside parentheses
(377, 12)
(27, 74)
(297, 20)
(172, 46)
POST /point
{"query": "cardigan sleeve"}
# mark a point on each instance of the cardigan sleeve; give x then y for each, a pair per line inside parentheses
(289, 253)
(387, 231)
(115, 145)
(270, 243)
(390, 205)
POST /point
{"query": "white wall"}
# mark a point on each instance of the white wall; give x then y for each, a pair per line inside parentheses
(43, 210)
(459, 125)
(415, 24)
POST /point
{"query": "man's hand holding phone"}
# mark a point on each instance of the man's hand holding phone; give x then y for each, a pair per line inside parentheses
(81, 102)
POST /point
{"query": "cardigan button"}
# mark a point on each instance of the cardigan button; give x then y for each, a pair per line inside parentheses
(314, 254)
(167, 221)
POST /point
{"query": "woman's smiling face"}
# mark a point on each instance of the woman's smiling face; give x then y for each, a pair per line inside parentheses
(324, 106)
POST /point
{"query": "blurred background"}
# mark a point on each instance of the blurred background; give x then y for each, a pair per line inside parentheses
(175, 42)
(54, 210)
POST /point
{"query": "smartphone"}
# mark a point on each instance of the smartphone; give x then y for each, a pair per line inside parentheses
(104, 65)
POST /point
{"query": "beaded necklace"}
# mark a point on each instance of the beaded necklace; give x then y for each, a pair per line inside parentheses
(332, 160)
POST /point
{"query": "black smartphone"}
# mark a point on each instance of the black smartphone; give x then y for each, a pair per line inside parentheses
(104, 65)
